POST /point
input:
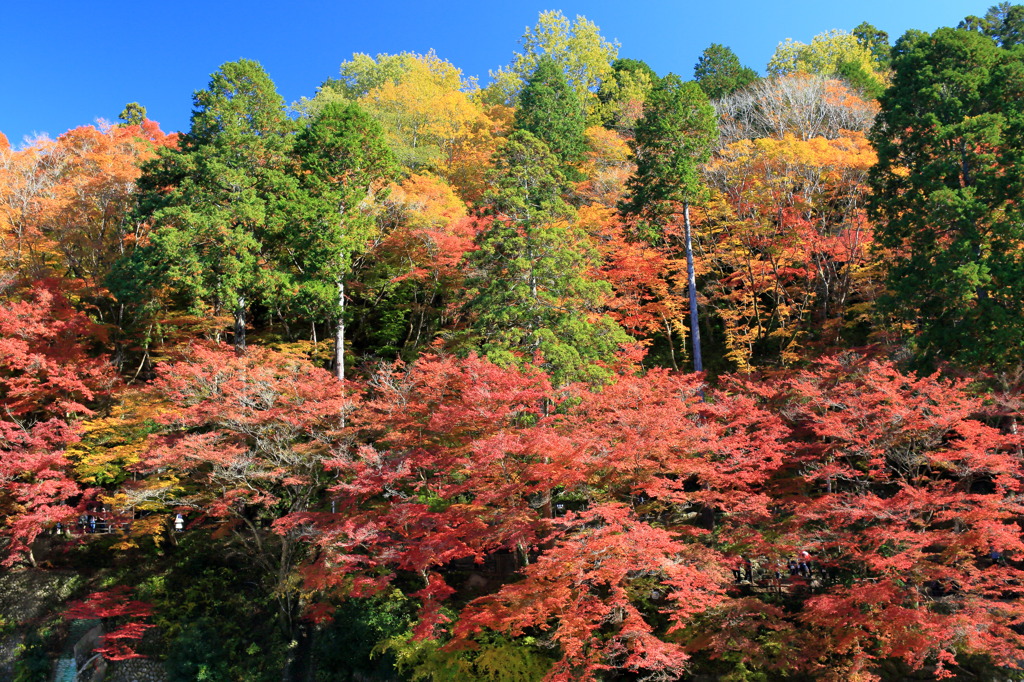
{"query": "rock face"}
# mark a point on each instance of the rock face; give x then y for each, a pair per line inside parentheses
(31, 594)
(10, 645)
(29, 597)
(83, 637)
(26, 596)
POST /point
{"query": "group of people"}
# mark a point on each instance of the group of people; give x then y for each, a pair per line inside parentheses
(800, 565)
(93, 523)
(744, 570)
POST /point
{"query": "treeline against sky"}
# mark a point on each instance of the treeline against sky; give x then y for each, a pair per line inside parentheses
(588, 374)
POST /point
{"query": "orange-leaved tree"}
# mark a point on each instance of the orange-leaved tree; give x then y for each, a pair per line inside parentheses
(789, 254)
(66, 205)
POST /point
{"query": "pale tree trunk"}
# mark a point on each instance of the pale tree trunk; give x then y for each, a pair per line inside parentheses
(339, 334)
(671, 344)
(1013, 430)
(240, 325)
(698, 363)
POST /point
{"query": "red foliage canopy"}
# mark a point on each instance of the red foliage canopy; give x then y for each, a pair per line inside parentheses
(115, 603)
(906, 495)
(48, 378)
(463, 459)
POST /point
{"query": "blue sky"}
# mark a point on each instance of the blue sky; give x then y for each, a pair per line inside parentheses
(67, 63)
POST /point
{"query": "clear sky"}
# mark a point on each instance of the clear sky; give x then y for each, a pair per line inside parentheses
(67, 63)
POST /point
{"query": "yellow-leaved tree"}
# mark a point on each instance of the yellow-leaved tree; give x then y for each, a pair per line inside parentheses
(790, 252)
(578, 48)
(834, 53)
(431, 114)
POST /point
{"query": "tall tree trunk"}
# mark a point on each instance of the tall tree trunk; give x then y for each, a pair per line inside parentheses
(339, 334)
(671, 344)
(698, 363)
(1013, 430)
(240, 325)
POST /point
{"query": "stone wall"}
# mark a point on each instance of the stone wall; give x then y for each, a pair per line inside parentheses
(135, 670)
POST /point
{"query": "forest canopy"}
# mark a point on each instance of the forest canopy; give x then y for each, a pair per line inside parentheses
(590, 373)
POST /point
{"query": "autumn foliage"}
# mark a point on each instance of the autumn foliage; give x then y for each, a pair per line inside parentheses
(50, 376)
(115, 606)
(457, 425)
(792, 248)
(66, 204)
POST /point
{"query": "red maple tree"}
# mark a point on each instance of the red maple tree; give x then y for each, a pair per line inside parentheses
(126, 614)
(49, 377)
